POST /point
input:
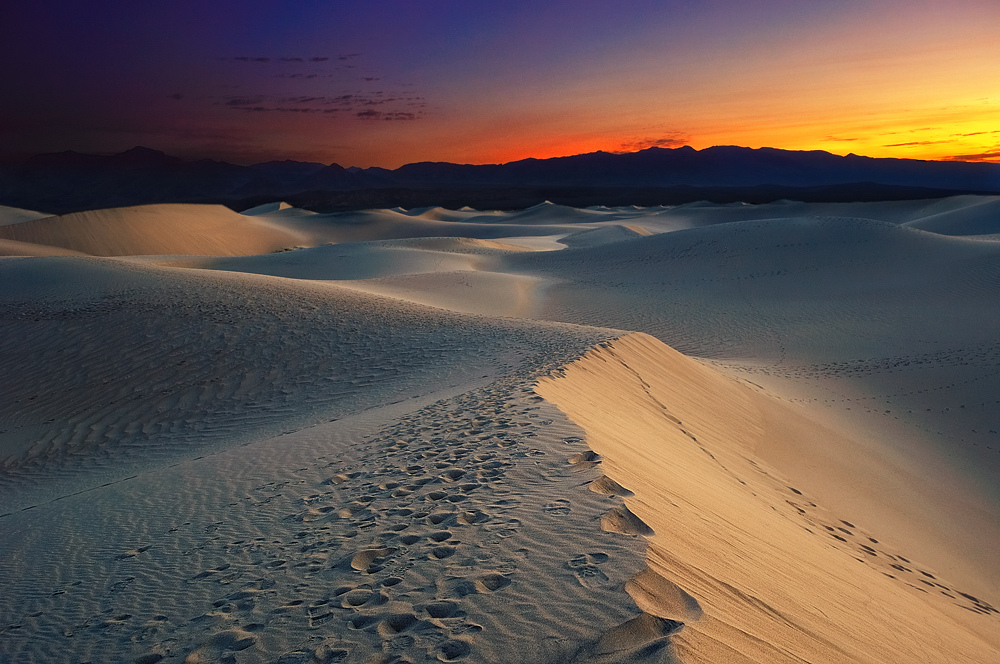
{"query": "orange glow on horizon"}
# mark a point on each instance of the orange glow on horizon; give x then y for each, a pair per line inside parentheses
(959, 134)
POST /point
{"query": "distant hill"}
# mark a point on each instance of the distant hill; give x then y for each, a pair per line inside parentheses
(69, 181)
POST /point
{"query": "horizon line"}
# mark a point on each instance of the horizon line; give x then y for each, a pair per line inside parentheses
(21, 159)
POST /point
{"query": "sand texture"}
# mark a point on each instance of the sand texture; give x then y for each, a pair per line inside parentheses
(698, 434)
(154, 229)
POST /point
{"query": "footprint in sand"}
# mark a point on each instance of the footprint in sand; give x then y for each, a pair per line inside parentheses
(622, 520)
(584, 460)
(458, 587)
(440, 518)
(368, 560)
(443, 609)
(585, 568)
(557, 508)
(507, 529)
(319, 613)
(220, 647)
(332, 653)
(440, 552)
(472, 517)
(149, 658)
(606, 486)
(119, 586)
(453, 650)
(132, 553)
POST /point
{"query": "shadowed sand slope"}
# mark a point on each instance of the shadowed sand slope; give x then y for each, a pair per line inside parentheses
(155, 229)
(768, 289)
(366, 260)
(16, 248)
(110, 365)
(977, 217)
(755, 569)
(12, 215)
(366, 225)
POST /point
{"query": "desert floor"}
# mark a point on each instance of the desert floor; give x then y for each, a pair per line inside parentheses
(704, 433)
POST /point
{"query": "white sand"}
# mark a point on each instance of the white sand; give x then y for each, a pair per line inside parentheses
(337, 454)
(155, 229)
(13, 215)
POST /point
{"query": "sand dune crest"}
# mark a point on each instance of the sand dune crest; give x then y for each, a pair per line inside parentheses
(155, 229)
(678, 434)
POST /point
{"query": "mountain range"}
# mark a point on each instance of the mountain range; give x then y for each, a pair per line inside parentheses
(70, 181)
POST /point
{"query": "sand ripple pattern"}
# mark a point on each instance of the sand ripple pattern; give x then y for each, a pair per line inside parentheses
(455, 532)
(138, 369)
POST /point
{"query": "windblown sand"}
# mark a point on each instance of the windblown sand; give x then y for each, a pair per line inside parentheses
(693, 434)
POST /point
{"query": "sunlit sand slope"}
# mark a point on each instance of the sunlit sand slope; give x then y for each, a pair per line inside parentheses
(884, 331)
(156, 229)
(755, 570)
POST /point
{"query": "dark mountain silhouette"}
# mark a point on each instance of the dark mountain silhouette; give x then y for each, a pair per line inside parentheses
(287, 171)
(70, 181)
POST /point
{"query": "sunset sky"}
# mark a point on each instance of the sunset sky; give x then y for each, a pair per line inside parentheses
(383, 83)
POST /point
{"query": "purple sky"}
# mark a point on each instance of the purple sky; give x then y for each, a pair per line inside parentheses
(388, 82)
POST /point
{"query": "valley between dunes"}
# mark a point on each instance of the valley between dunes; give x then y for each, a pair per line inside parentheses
(702, 433)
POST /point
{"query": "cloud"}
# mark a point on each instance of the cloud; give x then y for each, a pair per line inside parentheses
(176, 96)
(673, 140)
(988, 157)
(390, 116)
(360, 105)
(247, 58)
(348, 56)
(912, 143)
(843, 140)
(244, 101)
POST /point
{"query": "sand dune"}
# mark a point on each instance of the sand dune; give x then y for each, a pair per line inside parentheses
(347, 261)
(150, 362)
(368, 260)
(600, 236)
(976, 218)
(338, 453)
(370, 225)
(15, 248)
(155, 229)
(273, 208)
(855, 319)
(748, 563)
(12, 215)
(481, 292)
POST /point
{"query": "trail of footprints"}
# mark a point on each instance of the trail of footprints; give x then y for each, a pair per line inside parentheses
(377, 557)
(375, 562)
(868, 550)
